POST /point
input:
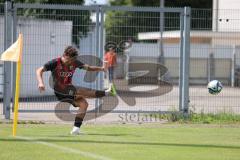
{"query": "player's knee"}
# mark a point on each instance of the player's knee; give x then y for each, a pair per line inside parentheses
(85, 105)
(81, 104)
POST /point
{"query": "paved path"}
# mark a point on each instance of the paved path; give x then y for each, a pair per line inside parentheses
(200, 101)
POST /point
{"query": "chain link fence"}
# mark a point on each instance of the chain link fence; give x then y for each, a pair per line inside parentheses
(151, 91)
(46, 33)
(215, 55)
(147, 73)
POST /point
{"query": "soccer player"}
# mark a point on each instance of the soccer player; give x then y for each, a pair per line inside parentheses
(62, 70)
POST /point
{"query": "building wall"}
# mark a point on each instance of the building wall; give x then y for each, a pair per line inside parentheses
(200, 70)
(226, 15)
(43, 41)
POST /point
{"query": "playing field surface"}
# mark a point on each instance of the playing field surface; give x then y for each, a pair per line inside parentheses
(121, 142)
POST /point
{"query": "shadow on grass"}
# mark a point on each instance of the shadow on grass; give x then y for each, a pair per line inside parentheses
(98, 134)
(121, 143)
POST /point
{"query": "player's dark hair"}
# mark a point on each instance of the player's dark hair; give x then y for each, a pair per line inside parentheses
(70, 51)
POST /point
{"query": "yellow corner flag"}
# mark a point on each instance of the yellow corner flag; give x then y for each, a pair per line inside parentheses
(14, 53)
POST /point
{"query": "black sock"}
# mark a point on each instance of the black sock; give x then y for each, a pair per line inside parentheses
(78, 122)
(100, 94)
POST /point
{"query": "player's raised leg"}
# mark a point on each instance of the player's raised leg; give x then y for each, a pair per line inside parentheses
(90, 93)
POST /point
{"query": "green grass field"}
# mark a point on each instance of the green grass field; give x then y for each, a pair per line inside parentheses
(126, 142)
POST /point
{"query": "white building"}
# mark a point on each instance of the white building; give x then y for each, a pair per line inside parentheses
(226, 15)
(43, 41)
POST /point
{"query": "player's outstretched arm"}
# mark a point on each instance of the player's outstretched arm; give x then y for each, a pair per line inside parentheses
(39, 73)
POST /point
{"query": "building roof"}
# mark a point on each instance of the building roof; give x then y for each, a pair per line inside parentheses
(217, 38)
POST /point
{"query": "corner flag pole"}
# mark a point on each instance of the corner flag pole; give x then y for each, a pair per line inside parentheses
(14, 54)
(16, 98)
(15, 120)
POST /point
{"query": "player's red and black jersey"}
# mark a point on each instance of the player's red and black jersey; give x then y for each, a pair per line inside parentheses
(62, 74)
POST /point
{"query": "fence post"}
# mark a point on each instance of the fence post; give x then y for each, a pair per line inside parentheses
(161, 48)
(211, 67)
(14, 69)
(181, 61)
(186, 61)
(8, 19)
(97, 101)
(233, 66)
(101, 51)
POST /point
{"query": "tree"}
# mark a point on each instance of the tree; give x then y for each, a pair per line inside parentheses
(122, 25)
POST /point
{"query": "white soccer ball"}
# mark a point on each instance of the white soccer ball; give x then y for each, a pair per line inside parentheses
(214, 87)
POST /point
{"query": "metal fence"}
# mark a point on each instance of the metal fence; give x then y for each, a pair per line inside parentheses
(215, 55)
(155, 40)
(1, 50)
(47, 29)
(126, 25)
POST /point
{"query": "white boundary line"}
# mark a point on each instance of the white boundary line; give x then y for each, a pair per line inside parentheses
(65, 149)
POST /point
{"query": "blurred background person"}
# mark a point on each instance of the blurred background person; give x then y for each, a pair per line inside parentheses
(110, 58)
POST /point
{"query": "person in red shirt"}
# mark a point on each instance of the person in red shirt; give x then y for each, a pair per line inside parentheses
(111, 58)
(62, 70)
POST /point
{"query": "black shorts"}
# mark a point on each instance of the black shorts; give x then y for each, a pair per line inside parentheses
(66, 95)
